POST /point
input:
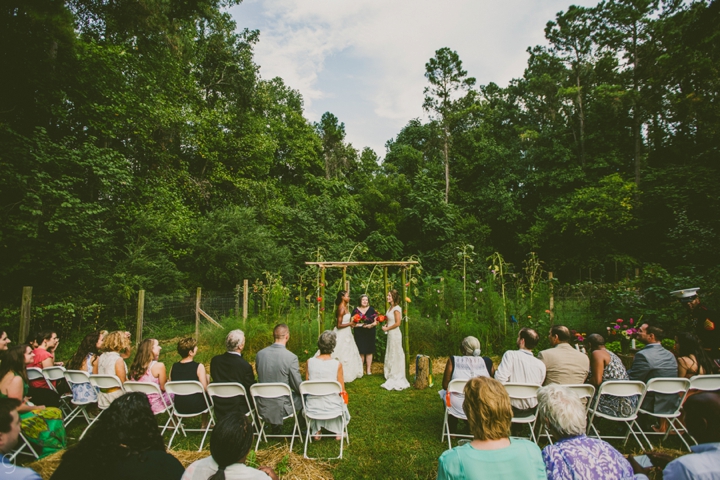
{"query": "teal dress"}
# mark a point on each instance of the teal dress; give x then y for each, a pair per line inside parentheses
(522, 460)
(42, 428)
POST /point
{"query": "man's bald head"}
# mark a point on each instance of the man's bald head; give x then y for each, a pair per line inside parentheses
(280, 332)
(702, 416)
(559, 334)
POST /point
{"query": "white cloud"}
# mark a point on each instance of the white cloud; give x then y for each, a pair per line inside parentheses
(365, 60)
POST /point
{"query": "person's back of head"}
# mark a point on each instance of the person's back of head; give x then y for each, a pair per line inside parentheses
(594, 341)
(235, 340)
(187, 345)
(530, 337)
(230, 442)
(561, 332)
(116, 342)
(470, 347)
(702, 416)
(562, 411)
(143, 358)
(487, 408)
(9, 424)
(14, 361)
(87, 346)
(280, 332)
(657, 331)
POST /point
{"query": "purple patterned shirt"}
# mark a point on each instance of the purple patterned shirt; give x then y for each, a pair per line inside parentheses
(583, 458)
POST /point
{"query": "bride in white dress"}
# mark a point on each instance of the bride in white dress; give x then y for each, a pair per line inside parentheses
(394, 355)
(346, 350)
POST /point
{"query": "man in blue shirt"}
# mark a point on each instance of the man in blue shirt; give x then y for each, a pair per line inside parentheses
(9, 434)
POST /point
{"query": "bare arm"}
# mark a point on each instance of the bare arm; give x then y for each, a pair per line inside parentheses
(160, 373)
(597, 366)
(447, 376)
(307, 370)
(15, 390)
(202, 375)
(398, 319)
(95, 365)
(340, 377)
(120, 370)
(683, 364)
(48, 362)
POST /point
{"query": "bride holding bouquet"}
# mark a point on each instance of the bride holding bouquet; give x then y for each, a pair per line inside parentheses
(394, 355)
(346, 350)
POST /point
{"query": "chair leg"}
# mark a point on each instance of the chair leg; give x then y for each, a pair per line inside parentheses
(447, 432)
(307, 440)
(211, 421)
(91, 424)
(179, 427)
(262, 430)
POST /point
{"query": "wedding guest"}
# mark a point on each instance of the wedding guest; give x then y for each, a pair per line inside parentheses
(40, 391)
(125, 442)
(230, 443)
(469, 365)
(232, 367)
(41, 425)
(116, 346)
(4, 341)
(277, 364)
(654, 361)
(146, 368)
(521, 366)
(691, 356)
(365, 331)
(491, 454)
(394, 355)
(324, 367)
(85, 359)
(604, 366)
(9, 435)
(574, 455)
(346, 350)
(563, 364)
(187, 369)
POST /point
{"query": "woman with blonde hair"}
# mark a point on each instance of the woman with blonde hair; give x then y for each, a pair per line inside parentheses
(491, 454)
(116, 348)
(146, 368)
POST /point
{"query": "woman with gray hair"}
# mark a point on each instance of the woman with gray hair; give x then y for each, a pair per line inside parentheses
(324, 367)
(574, 455)
(469, 365)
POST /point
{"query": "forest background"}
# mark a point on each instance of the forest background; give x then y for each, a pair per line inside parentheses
(141, 150)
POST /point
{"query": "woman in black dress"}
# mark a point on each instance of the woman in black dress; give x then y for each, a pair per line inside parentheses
(189, 369)
(365, 335)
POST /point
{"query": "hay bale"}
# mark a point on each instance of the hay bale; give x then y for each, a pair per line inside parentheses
(423, 372)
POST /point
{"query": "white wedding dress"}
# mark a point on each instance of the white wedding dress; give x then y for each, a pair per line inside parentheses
(394, 355)
(346, 351)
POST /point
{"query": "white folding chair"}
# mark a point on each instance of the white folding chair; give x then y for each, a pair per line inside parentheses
(23, 443)
(667, 386)
(706, 383)
(456, 387)
(622, 389)
(77, 377)
(189, 387)
(55, 374)
(320, 388)
(34, 373)
(103, 382)
(275, 390)
(230, 390)
(585, 392)
(524, 391)
(153, 389)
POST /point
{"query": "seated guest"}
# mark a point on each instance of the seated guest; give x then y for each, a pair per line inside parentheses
(116, 348)
(9, 434)
(605, 365)
(470, 365)
(85, 359)
(4, 341)
(230, 443)
(40, 391)
(324, 367)
(232, 367)
(188, 369)
(146, 368)
(575, 456)
(41, 425)
(520, 366)
(125, 442)
(563, 364)
(492, 454)
(691, 357)
(654, 361)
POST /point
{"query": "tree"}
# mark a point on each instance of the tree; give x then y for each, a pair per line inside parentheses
(446, 76)
(338, 156)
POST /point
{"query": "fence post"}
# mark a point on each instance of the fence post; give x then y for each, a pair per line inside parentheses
(140, 317)
(387, 305)
(245, 301)
(321, 320)
(198, 296)
(237, 300)
(552, 298)
(406, 332)
(25, 313)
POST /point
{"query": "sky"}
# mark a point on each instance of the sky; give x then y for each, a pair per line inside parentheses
(364, 60)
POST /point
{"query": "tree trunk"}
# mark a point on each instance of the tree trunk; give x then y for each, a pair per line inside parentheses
(447, 164)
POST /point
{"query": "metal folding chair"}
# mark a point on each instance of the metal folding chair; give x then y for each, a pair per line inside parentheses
(153, 389)
(275, 390)
(667, 386)
(524, 391)
(189, 387)
(23, 443)
(706, 383)
(77, 377)
(456, 387)
(55, 374)
(622, 389)
(103, 382)
(234, 389)
(319, 388)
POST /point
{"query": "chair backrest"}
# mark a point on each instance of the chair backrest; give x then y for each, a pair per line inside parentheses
(320, 387)
(34, 373)
(74, 377)
(621, 388)
(226, 390)
(521, 391)
(457, 386)
(53, 374)
(143, 387)
(668, 385)
(583, 390)
(270, 390)
(184, 387)
(706, 383)
(106, 381)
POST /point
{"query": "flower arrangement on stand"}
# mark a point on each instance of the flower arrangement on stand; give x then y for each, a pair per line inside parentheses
(623, 332)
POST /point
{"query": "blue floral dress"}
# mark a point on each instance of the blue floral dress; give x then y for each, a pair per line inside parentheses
(84, 392)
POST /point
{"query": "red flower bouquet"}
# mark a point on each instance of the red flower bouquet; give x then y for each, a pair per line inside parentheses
(357, 318)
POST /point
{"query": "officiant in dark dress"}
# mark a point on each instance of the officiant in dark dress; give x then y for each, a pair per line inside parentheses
(365, 335)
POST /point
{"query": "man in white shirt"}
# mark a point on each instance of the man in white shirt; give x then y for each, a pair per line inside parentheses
(521, 366)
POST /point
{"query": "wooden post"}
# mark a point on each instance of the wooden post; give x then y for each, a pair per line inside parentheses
(237, 301)
(140, 317)
(245, 301)
(25, 315)
(552, 299)
(406, 332)
(345, 284)
(387, 305)
(321, 320)
(198, 296)
(637, 272)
